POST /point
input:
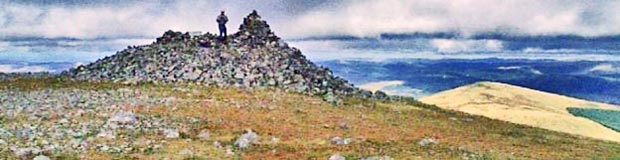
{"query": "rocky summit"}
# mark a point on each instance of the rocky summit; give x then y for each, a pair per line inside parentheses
(252, 57)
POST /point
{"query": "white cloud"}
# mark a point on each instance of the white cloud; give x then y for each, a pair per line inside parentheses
(606, 68)
(4, 46)
(509, 67)
(364, 18)
(531, 69)
(370, 18)
(535, 71)
(136, 20)
(456, 46)
(21, 69)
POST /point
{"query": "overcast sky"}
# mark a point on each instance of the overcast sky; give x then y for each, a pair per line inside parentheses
(296, 19)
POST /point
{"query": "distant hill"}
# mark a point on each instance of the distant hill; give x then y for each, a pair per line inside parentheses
(524, 106)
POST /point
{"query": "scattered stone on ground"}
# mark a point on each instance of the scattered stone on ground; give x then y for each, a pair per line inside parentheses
(70, 120)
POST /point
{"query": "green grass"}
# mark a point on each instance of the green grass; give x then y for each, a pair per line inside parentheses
(608, 118)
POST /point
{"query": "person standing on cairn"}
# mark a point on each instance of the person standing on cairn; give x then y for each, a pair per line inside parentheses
(221, 20)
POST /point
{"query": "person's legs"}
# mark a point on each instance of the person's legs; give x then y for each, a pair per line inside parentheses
(222, 31)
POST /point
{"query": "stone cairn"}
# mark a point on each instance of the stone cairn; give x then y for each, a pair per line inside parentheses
(252, 57)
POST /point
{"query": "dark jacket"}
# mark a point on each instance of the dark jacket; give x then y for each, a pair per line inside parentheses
(222, 19)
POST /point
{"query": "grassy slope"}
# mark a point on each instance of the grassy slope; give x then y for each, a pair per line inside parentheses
(304, 125)
(524, 106)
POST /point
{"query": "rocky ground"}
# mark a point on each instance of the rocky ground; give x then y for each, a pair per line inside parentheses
(82, 123)
(73, 121)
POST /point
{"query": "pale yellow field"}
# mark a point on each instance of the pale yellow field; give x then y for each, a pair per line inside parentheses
(524, 106)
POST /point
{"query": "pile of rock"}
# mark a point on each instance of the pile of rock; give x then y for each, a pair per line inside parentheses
(252, 57)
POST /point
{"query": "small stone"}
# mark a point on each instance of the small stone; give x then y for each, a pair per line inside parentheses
(107, 134)
(343, 125)
(337, 157)
(378, 158)
(186, 152)
(23, 152)
(41, 157)
(123, 117)
(217, 144)
(274, 140)
(229, 152)
(104, 148)
(245, 140)
(64, 121)
(341, 141)
(427, 141)
(172, 133)
(204, 134)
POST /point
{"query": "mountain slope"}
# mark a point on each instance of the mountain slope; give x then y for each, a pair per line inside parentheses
(524, 106)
